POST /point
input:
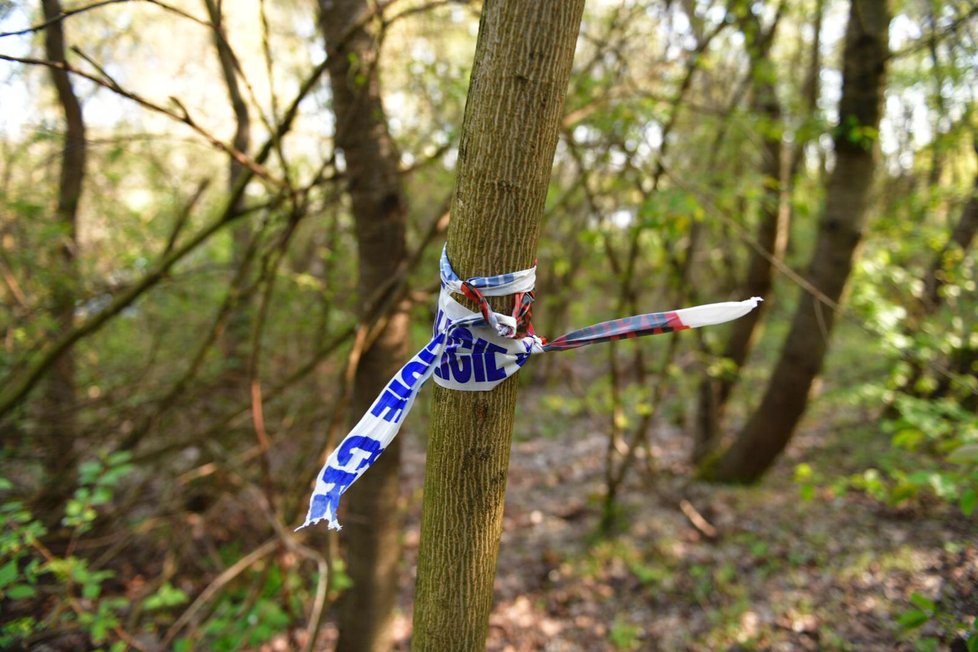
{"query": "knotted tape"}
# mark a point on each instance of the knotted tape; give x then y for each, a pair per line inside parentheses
(475, 351)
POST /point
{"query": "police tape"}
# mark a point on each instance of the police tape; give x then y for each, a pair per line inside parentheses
(474, 352)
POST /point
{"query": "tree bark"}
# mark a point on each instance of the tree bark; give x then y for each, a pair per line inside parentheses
(962, 361)
(522, 66)
(59, 401)
(771, 426)
(715, 392)
(235, 337)
(961, 238)
(373, 524)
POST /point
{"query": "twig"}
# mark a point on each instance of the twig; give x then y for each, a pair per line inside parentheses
(290, 542)
(13, 286)
(184, 215)
(58, 19)
(706, 198)
(216, 586)
(125, 636)
(16, 387)
(184, 117)
(697, 519)
(926, 41)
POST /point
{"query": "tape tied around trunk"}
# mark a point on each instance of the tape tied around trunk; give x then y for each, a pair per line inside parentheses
(474, 352)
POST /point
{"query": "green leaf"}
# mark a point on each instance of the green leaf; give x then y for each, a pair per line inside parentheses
(920, 478)
(922, 602)
(89, 471)
(927, 644)
(339, 579)
(182, 645)
(969, 500)
(967, 454)
(903, 491)
(91, 591)
(166, 596)
(8, 573)
(943, 485)
(908, 438)
(803, 472)
(973, 642)
(101, 496)
(21, 592)
(808, 493)
(912, 619)
(119, 458)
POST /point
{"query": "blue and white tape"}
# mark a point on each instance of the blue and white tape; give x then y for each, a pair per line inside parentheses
(475, 352)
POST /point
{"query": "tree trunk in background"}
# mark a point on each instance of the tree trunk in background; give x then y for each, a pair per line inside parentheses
(714, 392)
(512, 118)
(960, 240)
(373, 524)
(963, 360)
(59, 400)
(770, 427)
(235, 337)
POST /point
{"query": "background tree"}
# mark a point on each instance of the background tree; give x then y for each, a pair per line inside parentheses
(235, 334)
(379, 206)
(770, 230)
(856, 141)
(59, 427)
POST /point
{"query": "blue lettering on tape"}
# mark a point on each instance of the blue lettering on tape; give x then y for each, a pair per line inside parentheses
(359, 449)
(481, 365)
(478, 360)
(493, 373)
(389, 406)
(460, 366)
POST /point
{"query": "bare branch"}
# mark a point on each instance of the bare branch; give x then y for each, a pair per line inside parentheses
(255, 167)
(16, 386)
(929, 39)
(58, 19)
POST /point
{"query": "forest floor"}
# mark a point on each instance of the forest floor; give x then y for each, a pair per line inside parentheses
(781, 573)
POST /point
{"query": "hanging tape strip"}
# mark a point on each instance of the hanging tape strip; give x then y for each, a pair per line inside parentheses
(474, 352)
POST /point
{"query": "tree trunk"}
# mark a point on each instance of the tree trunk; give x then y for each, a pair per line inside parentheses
(522, 67)
(59, 401)
(961, 238)
(962, 361)
(373, 531)
(770, 427)
(235, 337)
(714, 392)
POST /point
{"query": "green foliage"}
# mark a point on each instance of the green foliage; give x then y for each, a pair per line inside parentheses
(624, 635)
(938, 441)
(339, 579)
(243, 617)
(804, 478)
(98, 481)
(29, 572)
(166, 597)
(852, 132)
(922, 611)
